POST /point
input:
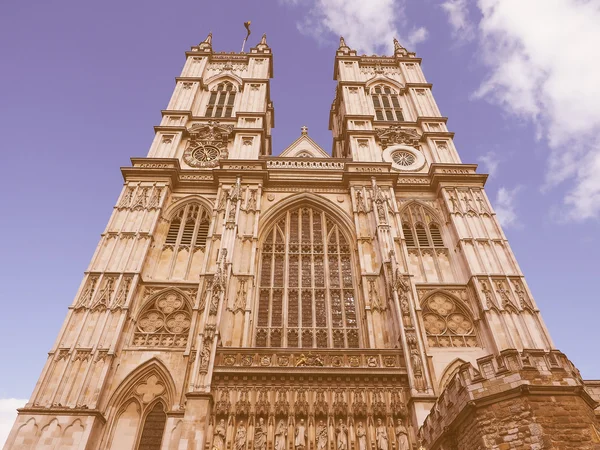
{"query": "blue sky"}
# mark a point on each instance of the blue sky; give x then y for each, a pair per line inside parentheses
(82, 84)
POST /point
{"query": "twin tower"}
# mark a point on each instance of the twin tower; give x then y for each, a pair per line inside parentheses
(366, 300)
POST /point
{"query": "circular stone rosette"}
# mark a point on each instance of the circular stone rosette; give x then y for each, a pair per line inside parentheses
(404, 158)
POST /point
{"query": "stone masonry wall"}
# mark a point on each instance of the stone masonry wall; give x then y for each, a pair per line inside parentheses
(530, 400)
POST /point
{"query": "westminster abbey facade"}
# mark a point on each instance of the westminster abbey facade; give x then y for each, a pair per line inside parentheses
(363, 300)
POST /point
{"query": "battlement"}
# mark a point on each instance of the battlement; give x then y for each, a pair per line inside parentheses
(512, 375)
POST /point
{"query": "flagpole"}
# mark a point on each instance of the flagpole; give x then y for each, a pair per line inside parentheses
(247, 26)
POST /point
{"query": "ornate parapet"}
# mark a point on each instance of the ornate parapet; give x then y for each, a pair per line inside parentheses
(526, 400)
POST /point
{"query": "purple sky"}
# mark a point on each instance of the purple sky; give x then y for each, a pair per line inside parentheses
(82, 84)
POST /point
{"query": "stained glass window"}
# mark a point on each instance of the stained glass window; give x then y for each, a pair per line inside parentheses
(306, 295)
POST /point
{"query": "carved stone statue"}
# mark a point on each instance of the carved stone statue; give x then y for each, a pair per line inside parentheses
(280, 435)
(402, 436)
(342, 436)
(260, 435)
(361, 436)
(219, 436)
(321, 436)
(300, 439)
(382, 436)
(240, 437)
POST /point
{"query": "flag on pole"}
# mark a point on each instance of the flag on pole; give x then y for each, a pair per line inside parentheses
(247, 25)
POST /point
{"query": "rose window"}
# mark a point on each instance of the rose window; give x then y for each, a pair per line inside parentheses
(447, 323)
(164, 322)
(403, 158)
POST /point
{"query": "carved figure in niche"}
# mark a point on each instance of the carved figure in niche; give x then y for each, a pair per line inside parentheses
(205, 356)
(260, 435)
(221, 204)
(360, 202)
(402, 436)
(417, 365)
(361, 436)
(342, 436)
(321, 436)
(251, 205)
(382, 436)
(454, 202)
(381, 212)
(300, 438)
(240, 437)
(280, 435)
(406, 320)
(219, 436)
(231, 217)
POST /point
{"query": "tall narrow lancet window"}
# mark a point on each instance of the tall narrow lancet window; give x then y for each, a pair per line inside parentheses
(306, 288)
(154, 427)
(221, 100)
(189, 227)
(387, 104)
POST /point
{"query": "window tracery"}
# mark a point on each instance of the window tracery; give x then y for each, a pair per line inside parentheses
(306, 292)
(387, 104)
(164, 322)
(221, 100)
(189, 227)
(447, 323)
(428, 254)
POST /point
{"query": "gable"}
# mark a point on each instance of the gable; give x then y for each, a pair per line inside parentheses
(304, 147)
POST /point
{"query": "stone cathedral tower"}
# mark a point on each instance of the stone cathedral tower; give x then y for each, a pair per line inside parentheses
(366, 300)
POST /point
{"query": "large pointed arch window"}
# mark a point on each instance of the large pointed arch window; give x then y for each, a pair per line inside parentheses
(306, 288)
(387, 104)
(221, 100)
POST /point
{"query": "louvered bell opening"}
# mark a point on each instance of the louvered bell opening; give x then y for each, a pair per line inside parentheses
(422, 236)
(202, 234)
(436, 236)
(188, 233)
(408, 236)
(173, 232)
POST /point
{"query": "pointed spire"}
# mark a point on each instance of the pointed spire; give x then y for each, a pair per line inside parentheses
(262, 46)
(206, 44)
(343, 49)
(398, 49)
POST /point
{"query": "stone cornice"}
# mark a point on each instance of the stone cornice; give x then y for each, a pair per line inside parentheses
(62, 411)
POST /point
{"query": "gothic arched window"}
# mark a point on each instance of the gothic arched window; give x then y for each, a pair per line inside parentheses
(189, 227)
(387, 104)
(306, 289)
(425, 237)
(153, 429)
(447, 323)
(164, 322)
(221, 100)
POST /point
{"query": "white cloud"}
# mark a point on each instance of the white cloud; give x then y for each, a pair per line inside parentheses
(505, 206)
(8, 414)
(368, 26)
(541, 56)
(490, 161)
(458, 16)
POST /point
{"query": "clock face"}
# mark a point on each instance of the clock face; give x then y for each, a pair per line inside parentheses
(205, 154)
(202, 156)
